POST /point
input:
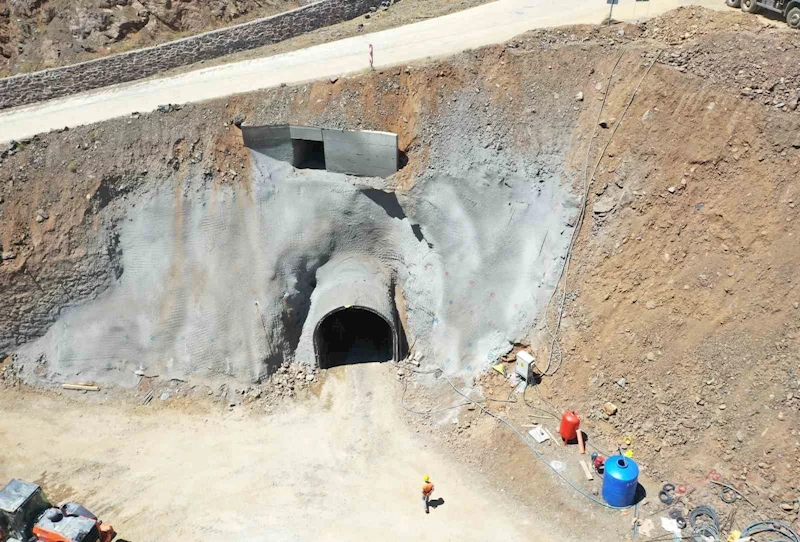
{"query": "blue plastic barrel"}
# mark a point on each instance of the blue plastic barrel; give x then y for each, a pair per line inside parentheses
(620, 481)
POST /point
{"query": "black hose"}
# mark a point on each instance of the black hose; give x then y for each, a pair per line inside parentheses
(704, 528)
(786, 533)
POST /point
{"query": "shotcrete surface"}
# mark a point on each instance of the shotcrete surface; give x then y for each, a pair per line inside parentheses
(217, 281)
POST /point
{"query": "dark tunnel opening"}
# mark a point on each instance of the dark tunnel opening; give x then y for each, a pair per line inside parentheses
(308, 154)
(351, 336)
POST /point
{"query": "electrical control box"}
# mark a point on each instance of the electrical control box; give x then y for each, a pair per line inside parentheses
(525, 365)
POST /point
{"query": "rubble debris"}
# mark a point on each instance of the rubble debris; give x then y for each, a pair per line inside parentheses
(169, 108)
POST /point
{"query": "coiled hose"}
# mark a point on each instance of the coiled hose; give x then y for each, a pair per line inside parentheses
(785, 532)
(704, 530)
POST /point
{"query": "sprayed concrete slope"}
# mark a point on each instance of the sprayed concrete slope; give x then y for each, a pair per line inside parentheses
(219, 281)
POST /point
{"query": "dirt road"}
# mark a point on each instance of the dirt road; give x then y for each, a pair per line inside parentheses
(476, 27)
(341, 467)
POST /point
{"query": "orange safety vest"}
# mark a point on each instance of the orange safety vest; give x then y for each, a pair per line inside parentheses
(427, 489)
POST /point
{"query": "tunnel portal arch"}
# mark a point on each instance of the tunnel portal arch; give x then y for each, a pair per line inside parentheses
(354, 334)
(352, 315)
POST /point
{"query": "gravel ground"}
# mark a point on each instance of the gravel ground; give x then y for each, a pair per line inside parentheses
(340, 458)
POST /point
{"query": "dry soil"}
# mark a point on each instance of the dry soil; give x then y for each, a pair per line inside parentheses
(338, 464)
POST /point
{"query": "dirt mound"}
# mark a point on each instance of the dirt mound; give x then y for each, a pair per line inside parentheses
(756, 57)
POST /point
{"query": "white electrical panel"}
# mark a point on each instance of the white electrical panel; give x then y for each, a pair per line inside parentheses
(525, 365)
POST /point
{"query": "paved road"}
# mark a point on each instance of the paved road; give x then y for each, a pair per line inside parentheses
(487, 24)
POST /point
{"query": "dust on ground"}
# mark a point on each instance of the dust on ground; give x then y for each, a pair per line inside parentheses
(334, 463)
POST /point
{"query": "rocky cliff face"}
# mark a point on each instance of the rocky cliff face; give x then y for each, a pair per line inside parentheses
(39, 34)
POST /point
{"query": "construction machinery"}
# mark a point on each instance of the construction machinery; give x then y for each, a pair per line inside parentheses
(789, 9)
(27, 516)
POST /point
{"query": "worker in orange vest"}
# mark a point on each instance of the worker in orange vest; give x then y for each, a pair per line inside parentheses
(427, 489)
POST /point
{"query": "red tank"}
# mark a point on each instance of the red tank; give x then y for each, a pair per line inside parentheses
(570, 422)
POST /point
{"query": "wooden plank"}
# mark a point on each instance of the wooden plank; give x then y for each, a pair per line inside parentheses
(586, 470)
(80, 387)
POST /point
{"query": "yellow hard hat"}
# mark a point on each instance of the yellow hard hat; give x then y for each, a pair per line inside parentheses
(426, 478)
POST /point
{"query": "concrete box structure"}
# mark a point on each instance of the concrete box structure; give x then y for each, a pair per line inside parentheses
(274, 141)
(364, 153)
(370, 154)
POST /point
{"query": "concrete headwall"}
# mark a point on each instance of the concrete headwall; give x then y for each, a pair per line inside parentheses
(44, 85)
(363, 153)
(274, 141)
(371, 154)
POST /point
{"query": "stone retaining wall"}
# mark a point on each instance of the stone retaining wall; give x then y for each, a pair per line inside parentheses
(54, 83)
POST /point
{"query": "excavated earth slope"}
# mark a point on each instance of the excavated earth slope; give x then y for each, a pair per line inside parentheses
(681, 305)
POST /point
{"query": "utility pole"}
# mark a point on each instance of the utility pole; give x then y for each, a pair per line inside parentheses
(611, 10)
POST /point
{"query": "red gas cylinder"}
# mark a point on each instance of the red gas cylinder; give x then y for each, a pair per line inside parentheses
(570, 422)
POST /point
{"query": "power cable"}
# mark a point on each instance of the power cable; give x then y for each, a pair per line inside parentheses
(534, 450)
(587, 181)
(425, 412)
(584, 201)
(785, 531)
(443, 409)
(703, 530)
(524, 400)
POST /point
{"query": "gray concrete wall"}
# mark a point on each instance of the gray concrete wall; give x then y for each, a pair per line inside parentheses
(225, 290)
(305, 132)
(232, 282)
(218, 280)
(45, 85)
(364, 153)
(274, 141)
(370, 154)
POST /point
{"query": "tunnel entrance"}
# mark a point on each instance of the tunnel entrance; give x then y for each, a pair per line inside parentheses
(308, 154)
(353, 335)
